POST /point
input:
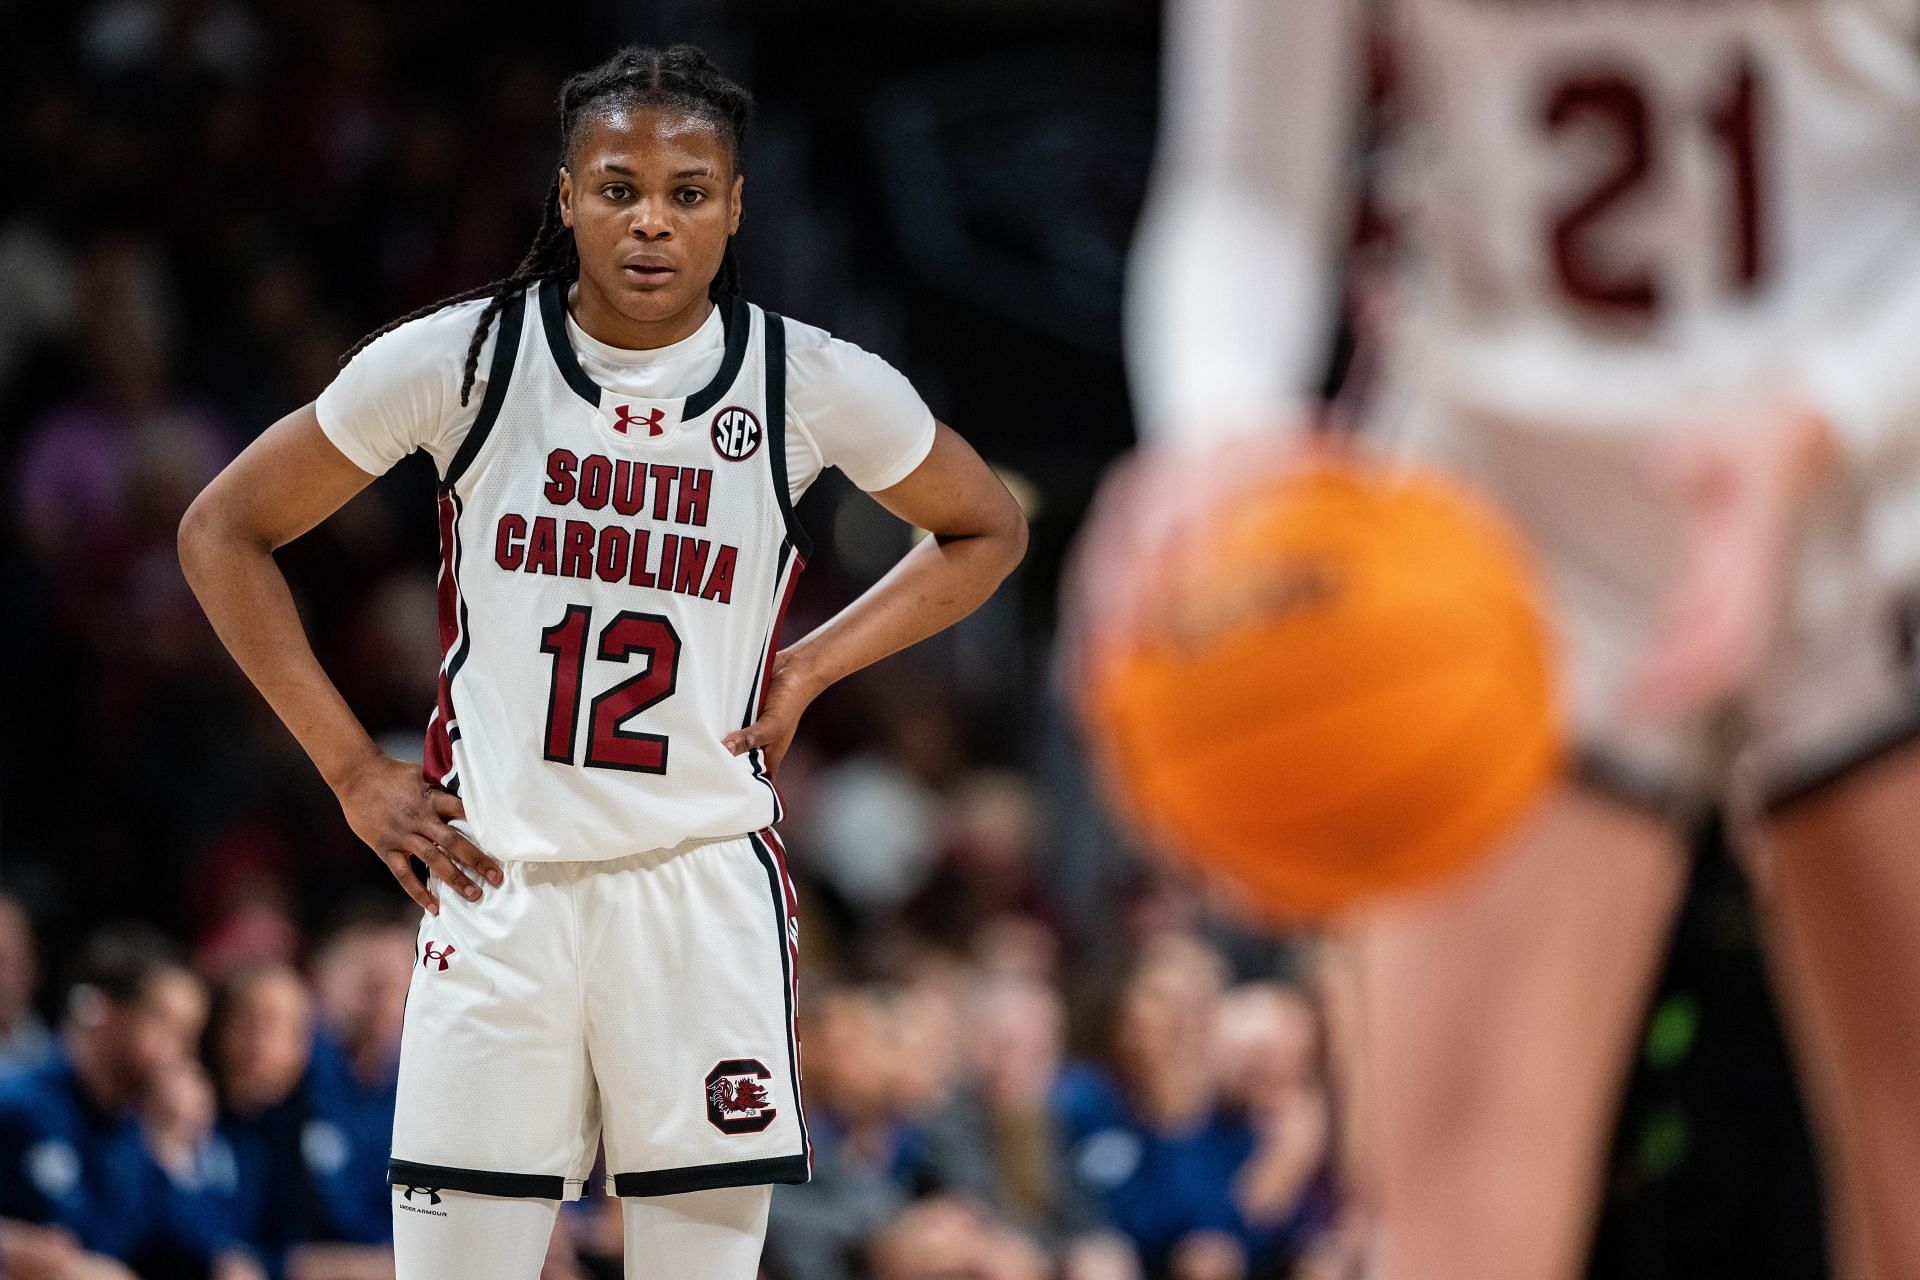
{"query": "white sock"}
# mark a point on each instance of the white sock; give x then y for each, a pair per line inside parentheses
(712, 1235)
(450, 1235)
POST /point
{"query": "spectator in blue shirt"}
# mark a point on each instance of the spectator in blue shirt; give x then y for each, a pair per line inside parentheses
(360, 977)
(1155, 1137)
(76, 1174)
(259, 1042)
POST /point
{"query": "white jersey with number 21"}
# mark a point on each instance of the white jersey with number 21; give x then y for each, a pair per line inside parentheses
(1615, 214)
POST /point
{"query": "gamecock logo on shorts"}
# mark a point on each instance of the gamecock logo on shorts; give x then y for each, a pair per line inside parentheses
(736, 1100)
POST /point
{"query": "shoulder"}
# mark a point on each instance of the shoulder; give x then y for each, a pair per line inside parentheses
(402, 391)
(35, 1102)
(859, 412)
(433, 343)
(819, 363)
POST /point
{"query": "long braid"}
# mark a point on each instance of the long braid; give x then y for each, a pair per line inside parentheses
(682, 77)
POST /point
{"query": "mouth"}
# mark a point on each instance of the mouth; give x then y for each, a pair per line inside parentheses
(646, 273)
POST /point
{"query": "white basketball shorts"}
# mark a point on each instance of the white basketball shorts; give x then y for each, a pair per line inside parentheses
(646, 1001)
(1836, 687)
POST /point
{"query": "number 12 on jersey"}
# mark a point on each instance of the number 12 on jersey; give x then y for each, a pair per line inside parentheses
(609, 744)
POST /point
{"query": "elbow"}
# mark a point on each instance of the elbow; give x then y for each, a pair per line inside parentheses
(192, 534)
(1018, 539)
(1012, 537)
(201, 529)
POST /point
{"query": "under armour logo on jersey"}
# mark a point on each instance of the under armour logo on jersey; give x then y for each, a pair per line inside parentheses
(736, 433)
(432, 1194)
(652, 419)
(433, 952)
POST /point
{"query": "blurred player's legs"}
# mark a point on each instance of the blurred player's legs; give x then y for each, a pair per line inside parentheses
(1844, 883)
(451, 1235)
(1495, 1019)
(715, 1234)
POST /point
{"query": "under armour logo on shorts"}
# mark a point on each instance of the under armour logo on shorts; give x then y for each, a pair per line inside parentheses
(432, 1194)
(435, 952)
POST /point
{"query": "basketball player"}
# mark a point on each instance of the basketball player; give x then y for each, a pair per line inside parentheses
(605, 949)
(1658, 294)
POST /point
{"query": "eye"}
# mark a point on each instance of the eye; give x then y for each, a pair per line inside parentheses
(616, 191)
(689, 195)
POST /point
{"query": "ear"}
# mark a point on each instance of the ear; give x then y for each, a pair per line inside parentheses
(733, 221)
(566, 196)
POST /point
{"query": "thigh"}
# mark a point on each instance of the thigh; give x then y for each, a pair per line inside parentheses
(689, 996)
(495, 1095)
(1841, 884)
(455, 1236)
(715, 1234)
(1495, 1020)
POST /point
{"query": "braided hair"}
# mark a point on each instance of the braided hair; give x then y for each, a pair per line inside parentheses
(683, 78)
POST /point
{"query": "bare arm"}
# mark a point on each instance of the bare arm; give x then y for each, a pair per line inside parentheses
(978, 536)
(284, 484)
(1232, 291)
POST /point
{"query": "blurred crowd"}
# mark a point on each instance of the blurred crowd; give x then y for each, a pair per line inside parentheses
(231, 1118)
(1026, 1054)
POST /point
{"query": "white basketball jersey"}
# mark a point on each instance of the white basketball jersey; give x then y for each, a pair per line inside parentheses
(1629, 210)
(612, 579)
(1615, 214)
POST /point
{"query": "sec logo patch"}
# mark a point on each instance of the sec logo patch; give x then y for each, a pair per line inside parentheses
(736, 433)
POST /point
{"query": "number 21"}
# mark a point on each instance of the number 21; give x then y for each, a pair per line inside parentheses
(1615, 102)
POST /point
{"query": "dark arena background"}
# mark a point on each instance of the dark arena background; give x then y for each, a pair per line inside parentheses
(204, 202)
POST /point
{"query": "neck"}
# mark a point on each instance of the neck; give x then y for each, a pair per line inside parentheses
(1175, 1100)
(96, 1077)
(604, 323)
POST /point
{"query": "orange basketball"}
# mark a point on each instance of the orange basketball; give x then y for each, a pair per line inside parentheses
(1349, 692)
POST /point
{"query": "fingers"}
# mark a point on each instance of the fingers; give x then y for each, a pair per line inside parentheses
(463, 851)
(443, 866)
(445, 803)
(762, 735)
(402, 868)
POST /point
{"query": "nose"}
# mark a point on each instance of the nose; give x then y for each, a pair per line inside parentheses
(652, 220)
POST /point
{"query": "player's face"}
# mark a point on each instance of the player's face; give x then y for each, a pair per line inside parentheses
(652, 197)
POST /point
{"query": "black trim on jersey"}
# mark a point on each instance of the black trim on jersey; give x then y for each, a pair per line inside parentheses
(506, 345)
(708, 1177)
(466, 623)
(782, 923)
(777, 430)
(757, 757)
(738, 323)
(553, 318)
(479, 1182)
